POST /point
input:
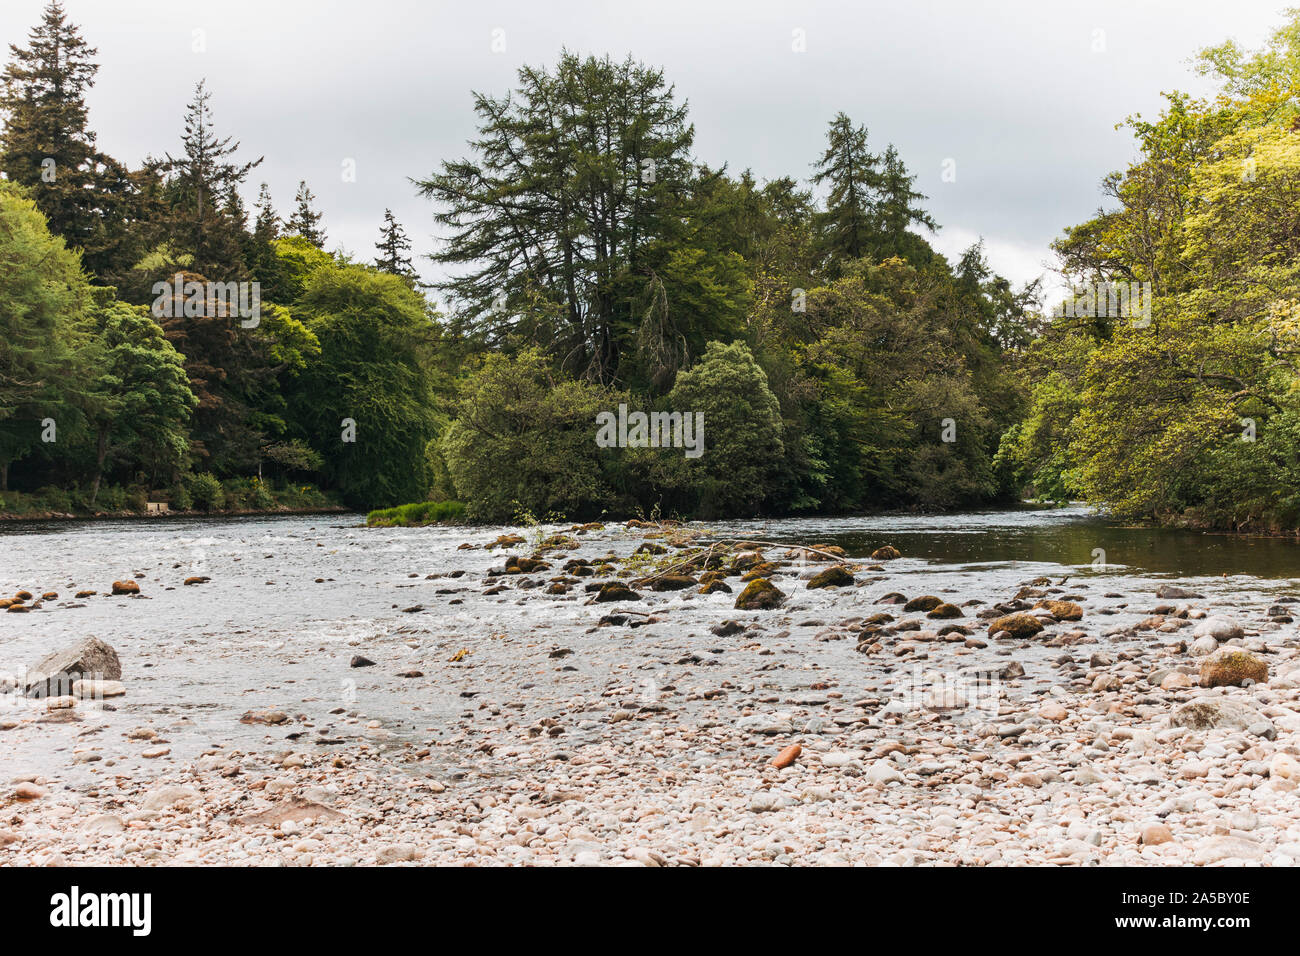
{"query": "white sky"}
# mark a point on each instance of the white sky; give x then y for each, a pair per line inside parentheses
(1012, 91)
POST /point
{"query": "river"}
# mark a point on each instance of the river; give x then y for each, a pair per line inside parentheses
(291, 600)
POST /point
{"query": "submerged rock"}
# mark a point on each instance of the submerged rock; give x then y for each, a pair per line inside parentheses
(887, 553)
(835, 577)
(1171, 592)
(615, 591)
(672, 582)
(944, 611)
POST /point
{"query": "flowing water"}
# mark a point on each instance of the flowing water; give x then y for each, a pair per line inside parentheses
(291, 600)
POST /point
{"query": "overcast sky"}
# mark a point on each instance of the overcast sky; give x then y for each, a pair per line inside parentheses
(1023, 95)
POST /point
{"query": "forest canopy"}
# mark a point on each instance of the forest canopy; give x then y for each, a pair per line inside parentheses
(594, 262)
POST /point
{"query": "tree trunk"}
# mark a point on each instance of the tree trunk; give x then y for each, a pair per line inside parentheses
(101, 452)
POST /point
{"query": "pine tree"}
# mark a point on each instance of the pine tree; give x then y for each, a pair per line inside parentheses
(200, 185)
(393, 245)
(305, 220)
(846, 229)
(267, 225)
(258, 252)
(89, 198)
(897, 209)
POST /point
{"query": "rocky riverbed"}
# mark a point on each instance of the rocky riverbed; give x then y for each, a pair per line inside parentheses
(414, 696)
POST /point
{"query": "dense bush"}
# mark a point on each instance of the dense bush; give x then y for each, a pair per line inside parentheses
(416, 514)
(206, 491)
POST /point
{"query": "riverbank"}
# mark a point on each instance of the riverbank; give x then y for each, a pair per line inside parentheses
(423, 703)
(7, 517)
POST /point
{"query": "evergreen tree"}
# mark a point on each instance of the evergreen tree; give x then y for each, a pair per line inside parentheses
(259, 253)
(267, 224)
(847, 227)
(305, 220)
(88, 197)
(896, 210)
(393, 246)
(575, 195)
(200, 187)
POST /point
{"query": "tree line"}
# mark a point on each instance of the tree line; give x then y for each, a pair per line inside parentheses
(839, 361)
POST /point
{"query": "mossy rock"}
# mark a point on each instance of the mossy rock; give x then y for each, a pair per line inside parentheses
(926, 602)
(125, 587)
(1017, 625)
(835, 577)
(944, 611)
(887, 553)
(893, 597)
(760, 595)
(708, 577)
(506, 541)
(557, 588)
(827, 552)
(615, 591)
(1062, 610)
(672, 582)
(650, 548)
(759, 571)
(1233, 669)
(716, 585)
(516, 565)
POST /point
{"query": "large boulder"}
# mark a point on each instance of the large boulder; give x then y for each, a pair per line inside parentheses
(1233, 668)
(887, 553)
(672, 582)
(1062, 610)
(88, 659)
(926, 602)
(1216, 712)
(1222, 629)
(944, 611)
(759, 595)
(615, 591)
(1017, 625)
(833, 577)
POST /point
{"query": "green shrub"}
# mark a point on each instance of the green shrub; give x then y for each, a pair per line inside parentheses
(261, 497)
(180, 498)
(54, 499)
(206, 491)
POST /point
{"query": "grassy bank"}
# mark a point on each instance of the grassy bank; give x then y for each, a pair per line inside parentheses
(200, 494)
